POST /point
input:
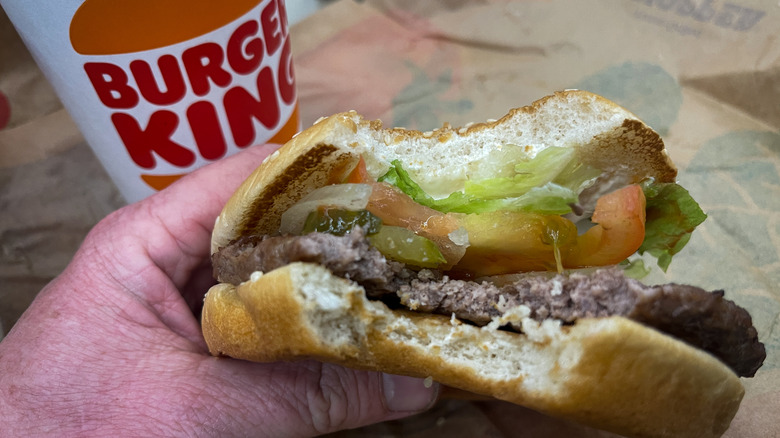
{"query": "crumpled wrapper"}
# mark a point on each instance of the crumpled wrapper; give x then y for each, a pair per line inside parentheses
(704, 74)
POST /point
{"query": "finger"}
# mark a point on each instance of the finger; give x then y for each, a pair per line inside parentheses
(311, 398)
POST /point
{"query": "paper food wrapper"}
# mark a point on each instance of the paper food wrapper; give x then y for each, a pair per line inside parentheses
(704, 73)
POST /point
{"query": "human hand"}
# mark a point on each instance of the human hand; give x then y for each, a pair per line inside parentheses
(111, 346)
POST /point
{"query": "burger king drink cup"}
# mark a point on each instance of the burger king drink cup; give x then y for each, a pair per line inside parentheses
(162, 87)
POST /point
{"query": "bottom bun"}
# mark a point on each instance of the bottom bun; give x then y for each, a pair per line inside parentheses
(608, 373)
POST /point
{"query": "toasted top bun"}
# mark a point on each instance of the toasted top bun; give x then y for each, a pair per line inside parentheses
(609, 373)
(604, 134)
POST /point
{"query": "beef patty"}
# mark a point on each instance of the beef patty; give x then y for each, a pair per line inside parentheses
(703, 319)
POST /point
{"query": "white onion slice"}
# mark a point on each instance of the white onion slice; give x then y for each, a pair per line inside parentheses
(343, 196)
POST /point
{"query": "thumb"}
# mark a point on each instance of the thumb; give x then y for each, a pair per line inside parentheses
(311, 398)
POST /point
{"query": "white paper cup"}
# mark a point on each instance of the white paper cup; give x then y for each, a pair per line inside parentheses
(160, 88)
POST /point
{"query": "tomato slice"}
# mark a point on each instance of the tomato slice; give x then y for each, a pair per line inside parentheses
(507, 242)
(618, 233)
(396, 208)
(359, 174)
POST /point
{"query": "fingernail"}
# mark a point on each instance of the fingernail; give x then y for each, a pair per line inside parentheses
(404, 394)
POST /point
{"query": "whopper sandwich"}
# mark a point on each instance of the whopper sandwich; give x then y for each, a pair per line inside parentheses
(495, 258)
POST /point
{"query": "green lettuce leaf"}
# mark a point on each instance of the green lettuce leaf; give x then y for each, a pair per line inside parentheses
(548, 184)
(400, 178)
(549, 199)
(540, 170)
(672, 215)
(552, 165)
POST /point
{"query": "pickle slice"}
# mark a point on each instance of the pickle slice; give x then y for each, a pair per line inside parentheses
(340, 222)
(403, 245)
(396, 243)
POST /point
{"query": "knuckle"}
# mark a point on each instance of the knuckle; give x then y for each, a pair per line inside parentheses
(332, 401)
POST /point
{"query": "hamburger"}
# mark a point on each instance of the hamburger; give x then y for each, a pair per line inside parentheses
(495, 258)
